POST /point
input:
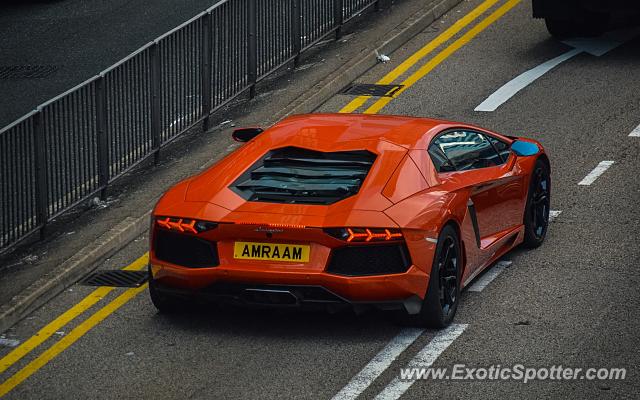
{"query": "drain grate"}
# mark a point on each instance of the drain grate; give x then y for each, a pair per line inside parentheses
(368, 89)
(117, 278)
(26, 71)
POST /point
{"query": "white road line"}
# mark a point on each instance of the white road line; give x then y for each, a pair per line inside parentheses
(509, 89)
(489, 276)
(597, 171)
(635, 132)
(379, 364)
(553, 214)
(424, 359)
(594, 46)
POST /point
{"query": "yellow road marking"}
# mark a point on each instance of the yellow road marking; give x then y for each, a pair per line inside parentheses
(444, 54)
(68, 340)
(45, 333)
(423, 52)
(54, 326)
(354, 104)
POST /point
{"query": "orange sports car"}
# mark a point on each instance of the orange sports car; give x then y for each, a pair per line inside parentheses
(333, 210)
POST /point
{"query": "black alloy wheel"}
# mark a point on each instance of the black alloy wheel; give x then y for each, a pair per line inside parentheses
(536, 215)
(448, 275)
(540, 203)
(443, 292)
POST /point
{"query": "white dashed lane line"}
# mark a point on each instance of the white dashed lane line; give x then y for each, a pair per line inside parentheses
(593, 46)
(379, 364)
(511, 88)
(597, 171)
(635, 132)
(488, 276)
(553, 214)
(381, 361)
(492, 273)
(424, 359)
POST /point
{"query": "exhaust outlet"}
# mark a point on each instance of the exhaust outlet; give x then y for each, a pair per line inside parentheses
(270, 297)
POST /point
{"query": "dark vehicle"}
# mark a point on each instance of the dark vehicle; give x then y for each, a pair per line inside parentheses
(566, 18)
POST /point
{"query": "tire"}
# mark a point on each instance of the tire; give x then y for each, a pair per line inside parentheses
(165, 303)
(435, 314)
(536, 213)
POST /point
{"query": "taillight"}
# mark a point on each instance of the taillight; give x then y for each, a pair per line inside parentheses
(185, 224)
(364, 234)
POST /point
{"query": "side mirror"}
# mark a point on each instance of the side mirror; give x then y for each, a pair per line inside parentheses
(246, 134)
(522, 148)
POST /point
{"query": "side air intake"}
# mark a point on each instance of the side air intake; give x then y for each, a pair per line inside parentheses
(300, 176)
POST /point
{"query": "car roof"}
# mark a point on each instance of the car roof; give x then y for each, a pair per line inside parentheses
(408, 132)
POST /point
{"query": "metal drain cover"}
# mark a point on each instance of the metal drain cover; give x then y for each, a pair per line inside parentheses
(367, 89)
(116, 278)
(26, 71)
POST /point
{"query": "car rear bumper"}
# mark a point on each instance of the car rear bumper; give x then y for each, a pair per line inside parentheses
(299, 288)
(286, 296)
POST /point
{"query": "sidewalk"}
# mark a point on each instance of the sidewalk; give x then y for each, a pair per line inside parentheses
(76, 242)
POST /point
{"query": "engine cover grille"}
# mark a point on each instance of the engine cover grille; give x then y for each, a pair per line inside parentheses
(302, 176)
(185, 250)
(369, 260)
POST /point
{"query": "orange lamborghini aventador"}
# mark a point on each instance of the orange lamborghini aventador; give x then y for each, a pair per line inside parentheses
(332, 210)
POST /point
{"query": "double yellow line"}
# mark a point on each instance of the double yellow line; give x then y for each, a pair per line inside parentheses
(441, 39)
(45, 333)
(81, 329)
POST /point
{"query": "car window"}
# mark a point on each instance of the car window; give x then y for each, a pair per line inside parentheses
(440, 161)
(502, 148)
(467, 150)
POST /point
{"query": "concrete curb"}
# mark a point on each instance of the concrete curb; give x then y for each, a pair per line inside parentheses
(73, 269)
(83, 262)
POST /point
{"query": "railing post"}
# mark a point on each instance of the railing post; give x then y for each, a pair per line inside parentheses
(339, 20)
(42, 187)
(296, 34)
(103, 139)
(155, 101)
(377, 6)
(252, 61)
(207, 49)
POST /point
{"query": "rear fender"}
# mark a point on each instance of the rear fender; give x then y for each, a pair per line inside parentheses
(422, 217)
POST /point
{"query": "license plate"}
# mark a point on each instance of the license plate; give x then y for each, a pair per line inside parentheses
(271, 251)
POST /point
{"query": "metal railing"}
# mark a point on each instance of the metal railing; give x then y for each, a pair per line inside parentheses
(72, 147)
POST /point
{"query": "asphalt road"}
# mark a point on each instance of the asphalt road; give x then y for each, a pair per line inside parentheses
(75, 39)
(572, 302)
